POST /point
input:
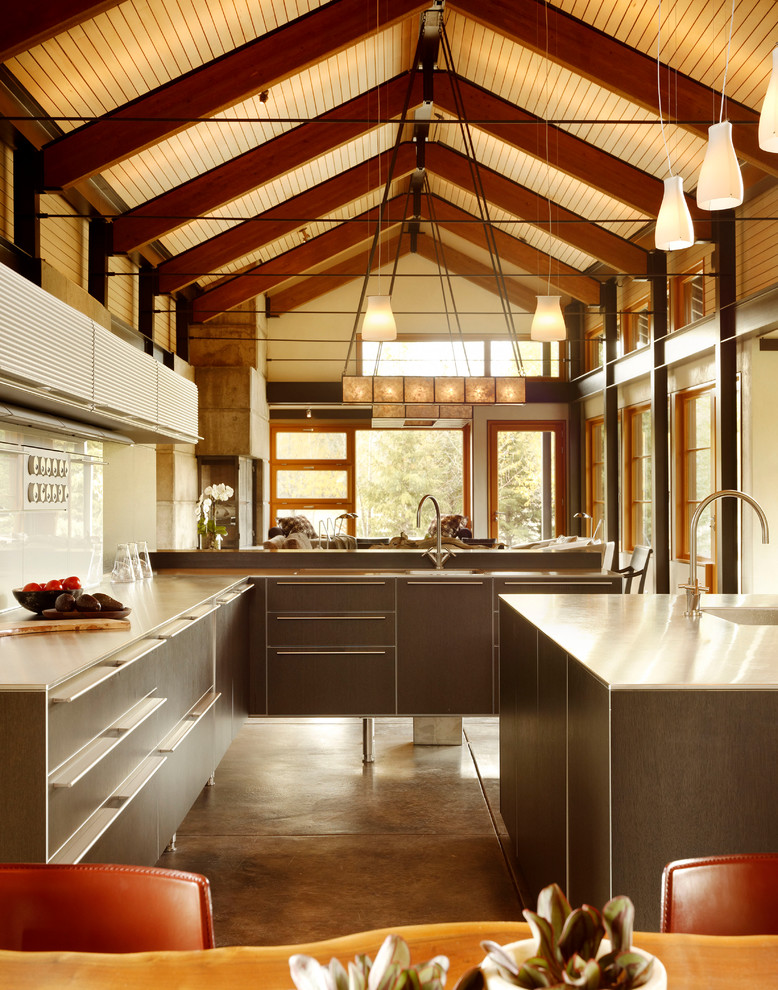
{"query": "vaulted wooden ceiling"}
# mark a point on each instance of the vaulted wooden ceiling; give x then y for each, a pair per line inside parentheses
(248, 142)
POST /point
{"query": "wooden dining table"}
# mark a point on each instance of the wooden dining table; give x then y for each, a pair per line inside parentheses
(693, 962)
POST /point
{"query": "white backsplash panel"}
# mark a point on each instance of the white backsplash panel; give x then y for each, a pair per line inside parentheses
(51, 510)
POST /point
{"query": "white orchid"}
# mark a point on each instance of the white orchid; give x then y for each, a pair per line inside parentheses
(206, 502)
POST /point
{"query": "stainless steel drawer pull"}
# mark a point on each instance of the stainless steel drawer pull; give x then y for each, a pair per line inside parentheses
(567, 584)
(230, 596)
(174, 628)
(444, 584)
(328, 584)
(69, 774)
(202, 611)
(78, 686)
(328, 618)
(329, 653)
(187, 724)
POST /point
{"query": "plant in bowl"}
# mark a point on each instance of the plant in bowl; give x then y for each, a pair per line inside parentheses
(391, 970)
(570, 949)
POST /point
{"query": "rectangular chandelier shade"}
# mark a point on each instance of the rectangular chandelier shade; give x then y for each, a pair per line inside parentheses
(385, 391)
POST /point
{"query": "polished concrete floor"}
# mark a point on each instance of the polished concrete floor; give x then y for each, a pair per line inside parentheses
(303, 841)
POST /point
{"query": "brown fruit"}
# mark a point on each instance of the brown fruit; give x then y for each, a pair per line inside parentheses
(88, 603)
(65, 603)
(108, 604)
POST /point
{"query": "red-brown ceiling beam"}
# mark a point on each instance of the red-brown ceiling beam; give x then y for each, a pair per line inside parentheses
(215, 86)
(254, 168)
(333, 277)
(610, 63)
(250, 235)
(571, 154)
(233, 290)
(28, 24)
(479, 274)
(565, 279)
(618, 253)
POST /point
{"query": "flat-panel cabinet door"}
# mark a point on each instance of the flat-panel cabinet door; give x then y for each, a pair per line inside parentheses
(444, 647)
(331, 681)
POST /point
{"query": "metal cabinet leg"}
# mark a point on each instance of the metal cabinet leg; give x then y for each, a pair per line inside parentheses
(368, 740)
(171, 846)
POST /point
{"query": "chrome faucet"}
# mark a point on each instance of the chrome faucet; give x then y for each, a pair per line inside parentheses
(692, 588)
(439, 555)
(325, 525)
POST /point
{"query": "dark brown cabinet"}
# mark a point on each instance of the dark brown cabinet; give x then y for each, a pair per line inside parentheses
(444, 646)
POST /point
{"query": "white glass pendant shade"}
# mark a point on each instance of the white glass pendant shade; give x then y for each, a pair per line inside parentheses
(674, 228)
(379, 319)
(720, 186)
(768, 119)
(548, 323)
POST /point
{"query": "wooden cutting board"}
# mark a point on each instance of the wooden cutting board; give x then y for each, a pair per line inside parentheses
(26, 626)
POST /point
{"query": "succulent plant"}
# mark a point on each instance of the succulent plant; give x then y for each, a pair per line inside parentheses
(567, 945)
(390, 971)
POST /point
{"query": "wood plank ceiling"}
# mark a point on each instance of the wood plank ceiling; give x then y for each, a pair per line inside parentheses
(243, 138)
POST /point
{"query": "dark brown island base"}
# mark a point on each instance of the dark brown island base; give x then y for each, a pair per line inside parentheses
(631, 736)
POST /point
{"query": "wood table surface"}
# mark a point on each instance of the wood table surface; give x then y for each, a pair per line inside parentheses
(693, 962)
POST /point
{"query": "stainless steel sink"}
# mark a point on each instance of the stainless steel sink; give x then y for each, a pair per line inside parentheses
(745, 615)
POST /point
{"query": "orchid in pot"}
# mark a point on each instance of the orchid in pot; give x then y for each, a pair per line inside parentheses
(211, 535)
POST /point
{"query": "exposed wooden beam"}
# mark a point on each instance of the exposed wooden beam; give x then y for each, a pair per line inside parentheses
(597, 56)
(572, 155)
(332, 277)
(217, 85)
(268, 226)
(254, 168)
(28, 24)
(620, 254)
(566, 280)
(231, 291)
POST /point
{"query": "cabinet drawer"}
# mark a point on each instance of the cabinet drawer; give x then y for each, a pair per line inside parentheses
(186, 664)
(336, 629)
(184, 775)
(331, 682)
(81, 708)
(330, 594)
(531, 586)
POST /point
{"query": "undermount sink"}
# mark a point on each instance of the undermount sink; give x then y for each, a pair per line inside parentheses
(745, 615)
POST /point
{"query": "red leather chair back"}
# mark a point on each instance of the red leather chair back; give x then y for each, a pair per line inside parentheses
(721, 895)
(103, 908)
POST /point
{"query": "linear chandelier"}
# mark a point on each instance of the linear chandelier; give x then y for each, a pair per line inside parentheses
(425, 398)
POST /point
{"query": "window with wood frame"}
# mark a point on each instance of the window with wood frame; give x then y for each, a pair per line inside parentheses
(638, 465)
(595, 470)
(326, 470)
(688, 297)
(594, 352)
(636, 325)
(695, 445)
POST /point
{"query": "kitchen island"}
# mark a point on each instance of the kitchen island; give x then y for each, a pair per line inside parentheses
(631, 736)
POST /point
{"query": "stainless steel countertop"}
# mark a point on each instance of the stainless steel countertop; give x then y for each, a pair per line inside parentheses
(644, 641)
(39, 661)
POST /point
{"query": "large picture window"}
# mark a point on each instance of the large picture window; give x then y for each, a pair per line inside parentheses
(378, 475)
(425, 356)
(595, 472)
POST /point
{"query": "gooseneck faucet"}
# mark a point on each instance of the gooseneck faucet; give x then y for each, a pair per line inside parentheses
(439, 555)
(693, 589)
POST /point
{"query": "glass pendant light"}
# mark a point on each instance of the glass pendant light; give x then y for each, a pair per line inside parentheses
(768, 119)
(379, 322)
(720, 186)
(548, 323)
(674, 228)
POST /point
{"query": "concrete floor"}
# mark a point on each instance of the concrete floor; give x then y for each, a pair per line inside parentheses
(302, 841)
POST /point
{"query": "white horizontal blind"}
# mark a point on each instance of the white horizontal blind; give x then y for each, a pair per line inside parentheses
(125, 377)
(177, 408)
(43, 341)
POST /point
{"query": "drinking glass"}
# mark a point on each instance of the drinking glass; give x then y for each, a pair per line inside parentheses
(135, 561)
(122, 565)
(145, 559)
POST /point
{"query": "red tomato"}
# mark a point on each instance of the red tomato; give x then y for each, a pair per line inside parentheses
(32, 586)
(54, 585)
(71, 583)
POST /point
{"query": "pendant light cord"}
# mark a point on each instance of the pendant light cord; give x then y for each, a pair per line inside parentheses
(726, 65)
(659, 86)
